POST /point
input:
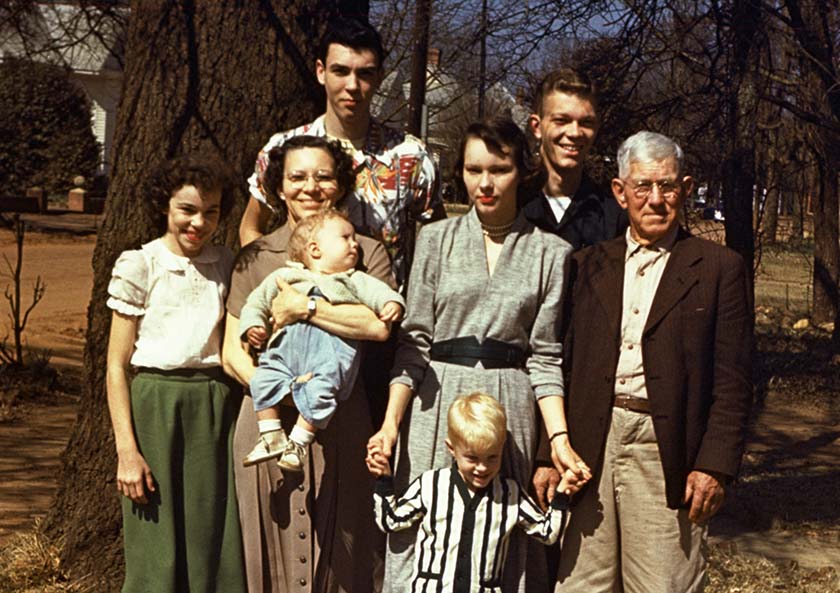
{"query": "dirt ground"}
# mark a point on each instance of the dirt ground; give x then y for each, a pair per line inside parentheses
(63, 261)
(31, 444)
(785, 506)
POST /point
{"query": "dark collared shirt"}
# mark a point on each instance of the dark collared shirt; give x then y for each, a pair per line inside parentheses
(592, 216)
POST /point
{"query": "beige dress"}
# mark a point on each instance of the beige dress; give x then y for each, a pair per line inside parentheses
(315, 532)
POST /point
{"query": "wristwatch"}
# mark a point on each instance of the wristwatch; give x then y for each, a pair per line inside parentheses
(311, 307)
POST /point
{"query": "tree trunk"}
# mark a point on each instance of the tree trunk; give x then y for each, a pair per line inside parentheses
(218, 76)
(741, 117)
(812, 24)
(770, 217)
(826, 245)
(419, 61)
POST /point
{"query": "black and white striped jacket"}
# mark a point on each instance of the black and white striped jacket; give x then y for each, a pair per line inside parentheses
(462, 542)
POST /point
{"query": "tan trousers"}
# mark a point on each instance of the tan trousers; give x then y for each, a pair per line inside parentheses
(621, 537)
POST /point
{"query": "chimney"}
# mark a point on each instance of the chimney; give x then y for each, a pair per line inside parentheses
(433, 58)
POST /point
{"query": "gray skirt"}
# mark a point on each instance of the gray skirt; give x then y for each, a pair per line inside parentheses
(422, 447)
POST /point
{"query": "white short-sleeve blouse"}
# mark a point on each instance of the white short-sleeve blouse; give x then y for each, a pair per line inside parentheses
(180, 302)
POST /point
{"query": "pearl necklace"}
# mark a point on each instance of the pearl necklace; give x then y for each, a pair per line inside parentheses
(496, 231)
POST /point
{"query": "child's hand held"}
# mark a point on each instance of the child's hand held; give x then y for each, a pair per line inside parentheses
(378, 464)
(571, 483)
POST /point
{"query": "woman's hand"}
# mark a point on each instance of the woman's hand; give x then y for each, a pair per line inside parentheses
(382, 443)
(134, 477)
(380, 448)
(571, 467)
(288, 306)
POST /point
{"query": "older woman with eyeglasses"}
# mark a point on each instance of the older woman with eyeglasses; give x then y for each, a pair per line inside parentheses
(313, 531)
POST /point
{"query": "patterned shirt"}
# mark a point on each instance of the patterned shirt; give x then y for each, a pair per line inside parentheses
(395, 186)
(462, 542)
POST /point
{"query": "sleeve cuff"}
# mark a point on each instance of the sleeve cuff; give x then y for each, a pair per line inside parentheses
(384, 486)
(561, 501)
(541, 391)
(125, 308)
(402, 380)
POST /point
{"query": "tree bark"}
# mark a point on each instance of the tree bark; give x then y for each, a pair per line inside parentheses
(812, 24)
(216, 76)
(770, 222)
(739, 176)
(826, 246)
(419, 60)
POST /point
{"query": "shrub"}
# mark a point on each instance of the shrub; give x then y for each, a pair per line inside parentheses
(45, 133)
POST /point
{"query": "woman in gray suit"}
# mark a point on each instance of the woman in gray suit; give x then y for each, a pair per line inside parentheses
(483, 302)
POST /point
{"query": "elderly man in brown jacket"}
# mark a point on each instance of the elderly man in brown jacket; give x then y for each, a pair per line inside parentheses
(659, 386)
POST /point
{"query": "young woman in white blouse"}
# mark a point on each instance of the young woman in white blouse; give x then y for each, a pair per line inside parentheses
(173, 422)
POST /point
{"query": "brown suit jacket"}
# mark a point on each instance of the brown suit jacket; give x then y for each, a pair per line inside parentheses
(696, 349)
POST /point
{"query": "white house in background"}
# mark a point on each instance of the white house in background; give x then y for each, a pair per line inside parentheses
(451, 105)
(90, 44)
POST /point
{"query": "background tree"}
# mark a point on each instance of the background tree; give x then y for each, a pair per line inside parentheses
(210, 76)
(814, 25)
(45, 134)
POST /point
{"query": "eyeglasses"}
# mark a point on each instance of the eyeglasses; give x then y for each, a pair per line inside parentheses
(321, 178)
(667, 189)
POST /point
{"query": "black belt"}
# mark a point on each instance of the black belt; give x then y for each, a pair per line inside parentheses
(467, 351)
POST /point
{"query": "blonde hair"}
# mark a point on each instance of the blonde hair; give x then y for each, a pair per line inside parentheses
(306, 230)
(477, 420)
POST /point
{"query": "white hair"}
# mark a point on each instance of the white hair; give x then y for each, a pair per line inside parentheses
(647, 147)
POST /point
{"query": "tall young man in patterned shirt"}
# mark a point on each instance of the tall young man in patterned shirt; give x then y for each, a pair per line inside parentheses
(395, 175)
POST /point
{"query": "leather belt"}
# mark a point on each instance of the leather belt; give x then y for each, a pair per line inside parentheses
(634, 404)
(467, 351)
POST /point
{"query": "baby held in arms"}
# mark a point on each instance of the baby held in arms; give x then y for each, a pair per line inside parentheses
(315, 367)
(467, 512)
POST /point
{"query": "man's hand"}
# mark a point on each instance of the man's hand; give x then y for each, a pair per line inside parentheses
(391, 312)
(256, 336)
(545, 483)
(288, 306)
(704, 495)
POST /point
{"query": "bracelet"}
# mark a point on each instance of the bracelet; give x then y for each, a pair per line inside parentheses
(557, 434)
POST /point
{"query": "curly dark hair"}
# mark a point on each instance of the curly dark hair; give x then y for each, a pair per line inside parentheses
(273, 176)
(204, 171)
(499, 134)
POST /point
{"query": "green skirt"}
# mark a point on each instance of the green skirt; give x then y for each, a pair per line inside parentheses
(186, 539)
